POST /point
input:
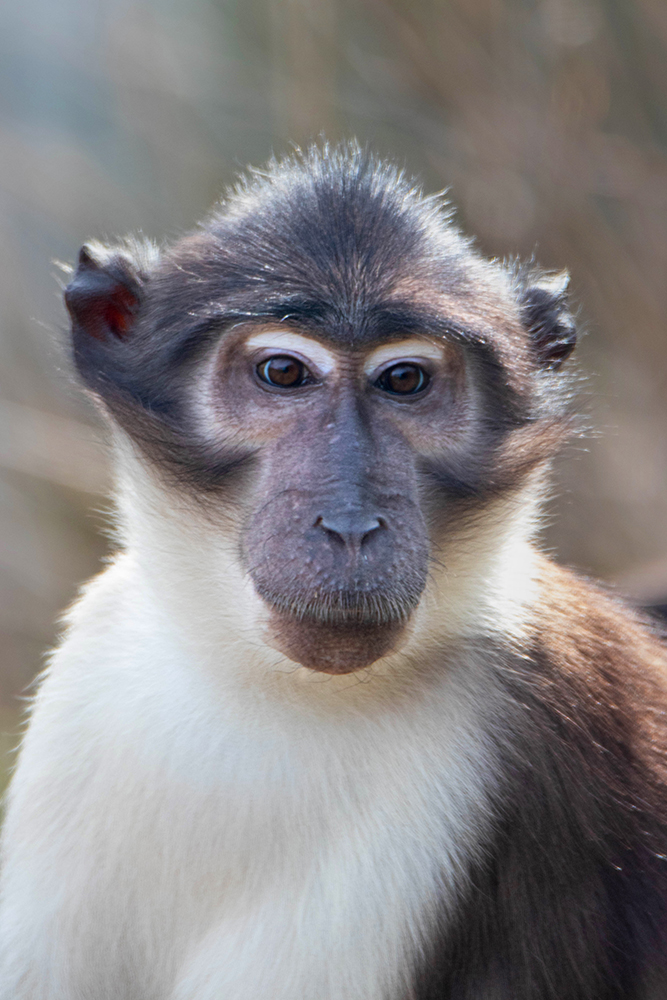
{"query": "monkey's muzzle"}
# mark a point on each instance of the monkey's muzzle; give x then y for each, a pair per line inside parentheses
(337, 633)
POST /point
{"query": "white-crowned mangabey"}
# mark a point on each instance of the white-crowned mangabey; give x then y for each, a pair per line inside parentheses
(330, 727)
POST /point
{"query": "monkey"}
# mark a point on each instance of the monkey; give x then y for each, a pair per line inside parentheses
(331, 725)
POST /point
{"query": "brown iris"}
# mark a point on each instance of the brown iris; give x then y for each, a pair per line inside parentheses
(283, 372)
(404, 379)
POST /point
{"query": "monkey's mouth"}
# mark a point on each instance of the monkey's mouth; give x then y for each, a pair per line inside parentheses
(343, 607)
(340, 631)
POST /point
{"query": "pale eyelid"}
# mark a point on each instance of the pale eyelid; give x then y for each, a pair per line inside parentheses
(400, 350)
(285, 342)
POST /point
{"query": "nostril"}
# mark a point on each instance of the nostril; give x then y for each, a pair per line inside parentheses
(352, 528)
(376, 524)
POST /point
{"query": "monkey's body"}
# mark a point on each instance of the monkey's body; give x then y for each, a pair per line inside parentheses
(274, 755)
(319, 838)
(299, 862)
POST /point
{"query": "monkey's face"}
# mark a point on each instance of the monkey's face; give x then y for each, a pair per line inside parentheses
(345, 384)
(335, 539)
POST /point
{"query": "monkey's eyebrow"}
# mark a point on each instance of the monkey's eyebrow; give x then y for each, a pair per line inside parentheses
(417, 347)
(287, 340)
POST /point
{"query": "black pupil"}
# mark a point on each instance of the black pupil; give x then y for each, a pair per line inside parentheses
(284, 372)
(403, 379)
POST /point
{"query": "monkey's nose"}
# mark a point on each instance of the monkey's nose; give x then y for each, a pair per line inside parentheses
(351, 527)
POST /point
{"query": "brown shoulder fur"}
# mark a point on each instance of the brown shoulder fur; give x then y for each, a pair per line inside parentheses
(570, 900)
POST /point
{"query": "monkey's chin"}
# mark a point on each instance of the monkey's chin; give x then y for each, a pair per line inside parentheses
(333, 647)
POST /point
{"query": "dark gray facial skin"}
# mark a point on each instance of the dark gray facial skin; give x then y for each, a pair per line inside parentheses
(337, 542)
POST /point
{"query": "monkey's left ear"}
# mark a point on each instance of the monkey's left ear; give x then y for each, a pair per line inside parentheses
(547, 317)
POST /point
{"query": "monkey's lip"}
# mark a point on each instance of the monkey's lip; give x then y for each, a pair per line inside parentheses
(336, 638)
(340, 608)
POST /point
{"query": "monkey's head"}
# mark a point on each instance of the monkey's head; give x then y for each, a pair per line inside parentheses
(336, 381)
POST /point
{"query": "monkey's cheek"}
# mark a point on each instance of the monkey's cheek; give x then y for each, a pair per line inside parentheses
(333, 648)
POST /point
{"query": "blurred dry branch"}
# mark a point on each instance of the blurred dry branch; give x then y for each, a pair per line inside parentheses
(547, 119)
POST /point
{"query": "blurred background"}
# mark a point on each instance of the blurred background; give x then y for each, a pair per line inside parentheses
(546, 119)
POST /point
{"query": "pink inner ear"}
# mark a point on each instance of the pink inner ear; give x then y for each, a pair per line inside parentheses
(119, 313)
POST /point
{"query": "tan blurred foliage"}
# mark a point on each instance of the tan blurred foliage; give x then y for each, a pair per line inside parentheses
(546, 119)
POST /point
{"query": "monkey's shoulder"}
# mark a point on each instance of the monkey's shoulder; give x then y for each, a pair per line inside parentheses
(577, 859)
(591, 640)
(586, 750)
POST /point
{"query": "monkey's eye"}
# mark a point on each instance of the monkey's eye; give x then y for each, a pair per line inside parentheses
(404, 379)
(284, 372)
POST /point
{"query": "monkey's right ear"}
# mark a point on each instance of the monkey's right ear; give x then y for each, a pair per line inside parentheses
(105, 294)
(546, 315)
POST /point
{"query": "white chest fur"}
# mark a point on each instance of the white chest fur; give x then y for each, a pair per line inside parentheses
(220, 840)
